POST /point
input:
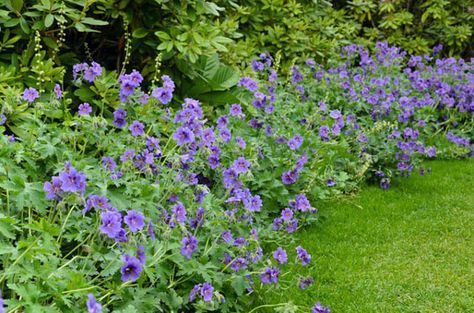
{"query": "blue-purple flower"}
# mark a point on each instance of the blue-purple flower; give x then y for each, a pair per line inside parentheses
(188, 245)
(111, 223)
(131, 269)
(207, 292)
(135, 220)
(183, 135)
(30, 94)
(92, 305)
(318, 308)
(58, 91)
(241, 165)
(280, 255)
(84, 109)
(303, 255)
(270, 276)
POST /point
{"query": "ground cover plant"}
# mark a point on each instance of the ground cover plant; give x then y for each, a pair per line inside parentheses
(407, 249)
(134, 199)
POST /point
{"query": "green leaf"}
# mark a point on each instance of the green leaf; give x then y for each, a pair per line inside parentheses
(163, 36)
(85, 94)
(50, 42)
(48, 20)
(6, 227)
(140, 32)
(15, 5)
(239, 284)
(82, 28)
(24, 25)
(93, 21)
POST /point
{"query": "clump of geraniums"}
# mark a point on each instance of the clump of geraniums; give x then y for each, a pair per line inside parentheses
(145, 204)
(372, 115)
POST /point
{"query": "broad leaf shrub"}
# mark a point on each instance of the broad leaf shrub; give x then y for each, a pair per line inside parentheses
(181, 33)
(135, 201)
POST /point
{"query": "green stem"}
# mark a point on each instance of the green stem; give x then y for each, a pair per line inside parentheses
(64, 224)
(267, 306)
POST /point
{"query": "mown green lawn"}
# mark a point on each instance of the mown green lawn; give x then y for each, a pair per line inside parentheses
(408, 249)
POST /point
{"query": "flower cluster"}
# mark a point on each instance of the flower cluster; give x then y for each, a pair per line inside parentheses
(69, 180)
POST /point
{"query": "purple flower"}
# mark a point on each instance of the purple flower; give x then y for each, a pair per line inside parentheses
(253, 204)
(207, 292)
(188, 245)
(151, 231)
(362, 138)
(304, 256)
(292, 226)
(302, 203)
(127, 155)
(143, 99)
(241, 165)
(240, 242)
(119, 118)
(179, 211)
(84, 109)
(324, 133)
(137, 128)
(296, 75)
(385, 183)
(379, 173)
(318, 308)
(330, 183)
(241, 142)
(92, 305)
(286, 214)
(135, 220)
(111, 223)
(30, 94)
(141, 254)
(280, 255)
(295, 142)
(164, 95)
(109, 163)
(222, 121)
(183, 135)
(97, 202)
(213, 161)
(431, 152)
(305, 282)
(289, 177)
(248, 83)
(208, 136)
(57, 91)
(235, 110)
(238, 264)
(73, 181)
(224, 133)
(132, 268)
(91, 72)
(270, 275)
(168, 83)
(194, 291)
(227, 236)
(53, 188)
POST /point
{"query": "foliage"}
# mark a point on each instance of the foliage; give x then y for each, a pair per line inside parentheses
(176, 36)
(416, 26)
(118, 197)
(135, 199)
